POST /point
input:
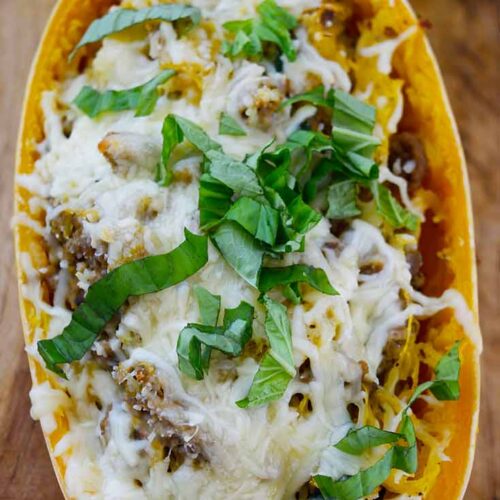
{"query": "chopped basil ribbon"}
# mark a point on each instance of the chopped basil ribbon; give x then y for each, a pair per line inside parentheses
(361, 484)
(257, 218)
(142, 98)
(342, 166)
(273, 26)
(277, 367)
(360, 440)
(353, 120)
(241, 251)
(214, 201)
(297, 218)
(229, 126)
(118, 20)
(208, 304)
(174, 130)
(342, 200)
(353, 114)
(235, 174)
(271, 277)
(390, 209)
(196, 341)
(352, 145)
(445, 387)
(315, 96)
(105, 297)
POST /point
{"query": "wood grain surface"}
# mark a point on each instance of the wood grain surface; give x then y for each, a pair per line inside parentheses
(465, 36)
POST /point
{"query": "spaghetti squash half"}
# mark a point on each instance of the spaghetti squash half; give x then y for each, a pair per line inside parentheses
(245, 253)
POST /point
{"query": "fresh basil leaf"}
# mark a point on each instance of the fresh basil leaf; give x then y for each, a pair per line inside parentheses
(273, 169)
(315, 96)
(269, 384)
(246, 42)
(229, 126)
(233, 173)
(292, 293)
(341, 167)
(309, 140)
(319, 177)
(297, 215)
(445, 386)
(257, 218)
(174, 130)
(354, 166)
(447, 371)
(269, 9)
(118, 20)
(241, 251)
(280, 22)
(195, 340)
(214, 201)
(361, 484)
(208, 304)
(297, 218)
(342, 200)
(271, 277)
(357, 441)
(406, 457)
(303, 217)
(277, 367)
(389, 208)
(278, 331)
(349, 113)
(360, 440)
(353, 114)
(105, 297)
(273, 26)
(142, 98)
(355, 142)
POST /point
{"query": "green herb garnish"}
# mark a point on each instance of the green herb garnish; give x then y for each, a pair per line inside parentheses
(208, 304)
(342, 200)
(229, 126)
(174, 130)
(273, 26)
(357, 441)
(196, 341)
(277, 368)
(105, 297)
(235, 174)
(391, 210)
(259, 219)
(118, 20)
(353, 121)
(240, 249)
(272, 277)
(445, 386)
(315, 96)
(214, 201)
(142, 98)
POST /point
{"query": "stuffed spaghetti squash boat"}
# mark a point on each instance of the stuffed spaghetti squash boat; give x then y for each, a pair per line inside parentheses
(245, 253)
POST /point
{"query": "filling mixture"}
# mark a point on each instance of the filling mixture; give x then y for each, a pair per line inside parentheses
(233, 278)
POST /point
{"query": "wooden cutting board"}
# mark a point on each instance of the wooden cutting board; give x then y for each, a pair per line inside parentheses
(466, 38)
